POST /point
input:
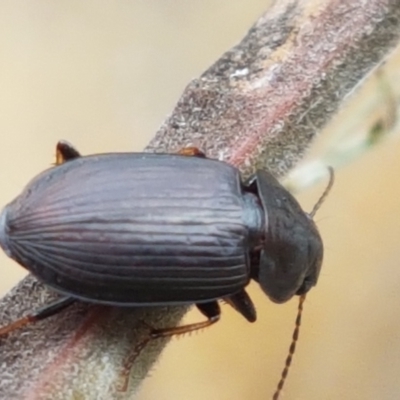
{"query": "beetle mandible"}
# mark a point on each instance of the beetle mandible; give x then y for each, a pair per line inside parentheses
(142, 229)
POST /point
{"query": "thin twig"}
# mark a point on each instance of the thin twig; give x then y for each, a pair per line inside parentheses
(259, 105)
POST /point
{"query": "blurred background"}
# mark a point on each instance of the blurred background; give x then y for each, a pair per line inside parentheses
(104, 75)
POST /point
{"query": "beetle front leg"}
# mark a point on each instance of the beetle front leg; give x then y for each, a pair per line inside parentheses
(211, 310)
(44, 312)
(65, 152)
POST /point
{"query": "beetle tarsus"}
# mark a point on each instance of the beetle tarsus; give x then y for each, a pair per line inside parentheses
(65, 152)
(42, 313)
(123, 381)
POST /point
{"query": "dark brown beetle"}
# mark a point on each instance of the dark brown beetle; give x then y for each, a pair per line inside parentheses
(139, 229)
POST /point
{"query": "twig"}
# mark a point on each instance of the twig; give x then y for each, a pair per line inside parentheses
(349, 144)
(259, 105)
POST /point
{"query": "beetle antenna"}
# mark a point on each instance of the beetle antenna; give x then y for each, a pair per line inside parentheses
(292, 349)
(325, 194)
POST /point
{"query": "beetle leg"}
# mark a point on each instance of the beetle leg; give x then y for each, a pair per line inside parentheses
(211, 310)
(46, 311)
(250, 182)
(191, 151)
(243, 304)
(65, 152)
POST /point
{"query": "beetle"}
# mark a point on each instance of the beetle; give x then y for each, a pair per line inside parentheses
(145, 229)
(141, 229)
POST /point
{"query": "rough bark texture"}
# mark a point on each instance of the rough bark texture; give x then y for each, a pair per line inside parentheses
(259, 105)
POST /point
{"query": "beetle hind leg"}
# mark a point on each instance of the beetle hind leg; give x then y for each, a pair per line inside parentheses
(46, 311)
(65, 152)
(211, 310)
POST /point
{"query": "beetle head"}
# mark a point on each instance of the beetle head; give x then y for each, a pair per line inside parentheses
(291, 258)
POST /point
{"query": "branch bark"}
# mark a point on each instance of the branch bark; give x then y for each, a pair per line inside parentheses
(259, 105)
